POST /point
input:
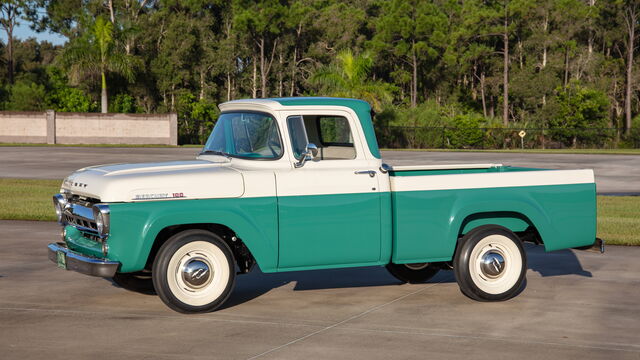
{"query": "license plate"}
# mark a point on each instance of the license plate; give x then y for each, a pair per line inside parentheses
(61, 258)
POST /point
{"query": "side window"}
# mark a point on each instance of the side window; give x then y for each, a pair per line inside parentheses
(335, 131)
(331, 134)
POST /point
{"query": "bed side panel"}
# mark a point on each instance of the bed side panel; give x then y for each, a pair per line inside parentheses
(427, 222)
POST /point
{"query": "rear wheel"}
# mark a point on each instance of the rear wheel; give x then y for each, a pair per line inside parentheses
(194, 272)
(413, 273)
(490, 264)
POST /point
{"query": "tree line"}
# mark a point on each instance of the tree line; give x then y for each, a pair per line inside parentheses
(502, 63)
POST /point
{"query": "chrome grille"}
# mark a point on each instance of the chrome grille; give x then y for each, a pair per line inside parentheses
(79, 221)
(79, 214)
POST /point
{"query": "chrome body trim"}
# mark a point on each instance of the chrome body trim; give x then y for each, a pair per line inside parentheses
(309, 154)
(371, 173)
(83, 264)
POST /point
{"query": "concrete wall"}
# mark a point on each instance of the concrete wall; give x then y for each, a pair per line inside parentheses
(88, 128)
(24, 127)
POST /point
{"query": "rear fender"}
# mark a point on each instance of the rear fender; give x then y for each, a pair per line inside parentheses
(513, 215)
(564, 215)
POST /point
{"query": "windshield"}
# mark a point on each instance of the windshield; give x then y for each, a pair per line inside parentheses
(245, 135)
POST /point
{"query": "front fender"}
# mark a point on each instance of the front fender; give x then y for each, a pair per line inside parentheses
(135, 226)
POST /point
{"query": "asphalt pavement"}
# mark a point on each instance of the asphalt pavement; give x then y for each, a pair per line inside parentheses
(576, 305)
(618, 174)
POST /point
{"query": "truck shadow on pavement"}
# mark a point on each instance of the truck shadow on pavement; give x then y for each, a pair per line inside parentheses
(256, 283)
(555, 263)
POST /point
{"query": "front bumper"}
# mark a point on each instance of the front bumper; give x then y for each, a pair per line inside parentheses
(84, 264)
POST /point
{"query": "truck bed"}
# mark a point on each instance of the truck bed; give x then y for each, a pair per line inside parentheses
(432, 206)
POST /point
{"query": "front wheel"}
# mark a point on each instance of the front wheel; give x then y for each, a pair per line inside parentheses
(194, 272)
(490, 264)
(413, 273)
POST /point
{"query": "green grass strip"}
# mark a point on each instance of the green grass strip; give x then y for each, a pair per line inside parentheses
(619, 219)
(26, 199)
(22, 199)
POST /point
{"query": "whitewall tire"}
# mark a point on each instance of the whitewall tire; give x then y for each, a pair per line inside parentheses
(490, 264)
(194, 271)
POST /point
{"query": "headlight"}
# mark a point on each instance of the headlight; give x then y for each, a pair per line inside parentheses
(59, 202)
(100, 223)
(101, 216)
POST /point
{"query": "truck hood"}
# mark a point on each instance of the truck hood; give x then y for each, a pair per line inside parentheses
(196, 179)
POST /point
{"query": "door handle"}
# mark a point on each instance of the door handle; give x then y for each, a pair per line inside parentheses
(371, 173)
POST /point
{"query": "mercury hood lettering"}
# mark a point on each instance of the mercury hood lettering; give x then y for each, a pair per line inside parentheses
(69, 183)
(158, 196)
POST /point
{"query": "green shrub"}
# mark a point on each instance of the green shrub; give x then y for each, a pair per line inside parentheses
(413, 128)
(466, 132)
(61, 97)
(632, 140)
(124, 103)
(4, 95)
(582, 117)
(195, 119)
(26, 96)
(68, 99)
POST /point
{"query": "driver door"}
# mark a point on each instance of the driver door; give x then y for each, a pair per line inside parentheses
(329, 208)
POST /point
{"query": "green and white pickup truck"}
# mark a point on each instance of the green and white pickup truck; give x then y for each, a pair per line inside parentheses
(298, 184)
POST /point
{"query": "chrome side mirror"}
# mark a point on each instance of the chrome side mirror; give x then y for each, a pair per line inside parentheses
(310, 153)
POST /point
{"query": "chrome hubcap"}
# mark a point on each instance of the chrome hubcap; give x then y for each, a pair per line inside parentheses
(492, 264)
(196, 273)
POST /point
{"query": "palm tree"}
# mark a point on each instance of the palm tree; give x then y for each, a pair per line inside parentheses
(349, 77)
(95, 53)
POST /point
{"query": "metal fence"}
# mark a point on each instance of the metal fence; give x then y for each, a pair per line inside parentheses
(397, 137)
